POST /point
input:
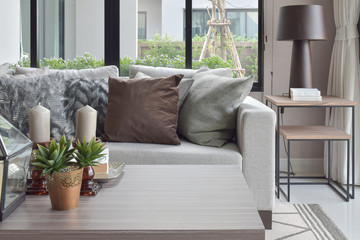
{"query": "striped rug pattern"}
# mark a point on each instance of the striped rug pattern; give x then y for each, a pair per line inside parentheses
(303, 222)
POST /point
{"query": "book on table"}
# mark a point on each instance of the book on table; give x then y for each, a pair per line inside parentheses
(305, 94)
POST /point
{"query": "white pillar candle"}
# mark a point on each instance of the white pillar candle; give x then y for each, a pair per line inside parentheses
(39, 123)
(86, 123)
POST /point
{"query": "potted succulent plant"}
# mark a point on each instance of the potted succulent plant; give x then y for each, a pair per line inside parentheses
(64, 175)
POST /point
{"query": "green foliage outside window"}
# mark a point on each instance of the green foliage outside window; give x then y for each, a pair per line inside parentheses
(160, 52)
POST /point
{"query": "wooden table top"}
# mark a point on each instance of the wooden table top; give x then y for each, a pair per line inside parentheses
(327, 101)
(162, 202)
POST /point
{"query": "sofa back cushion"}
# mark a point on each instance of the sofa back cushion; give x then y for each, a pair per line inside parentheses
(5, 69)
(157, 72)
(208, 115)
(143, 110)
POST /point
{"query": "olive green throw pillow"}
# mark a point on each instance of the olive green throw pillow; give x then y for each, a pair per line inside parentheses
(208, 115)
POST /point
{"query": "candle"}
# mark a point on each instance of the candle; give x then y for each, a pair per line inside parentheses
(86, 123)
(39, 123)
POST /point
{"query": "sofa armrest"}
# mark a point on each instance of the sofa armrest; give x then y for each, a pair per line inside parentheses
(255, 138)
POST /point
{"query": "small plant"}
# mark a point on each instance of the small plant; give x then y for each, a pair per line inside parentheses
(87, 154)
(54, 157)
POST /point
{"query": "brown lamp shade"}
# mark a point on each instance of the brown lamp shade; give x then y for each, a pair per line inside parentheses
(301, 22)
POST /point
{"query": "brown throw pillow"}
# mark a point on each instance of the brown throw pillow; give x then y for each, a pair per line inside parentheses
(143, 110)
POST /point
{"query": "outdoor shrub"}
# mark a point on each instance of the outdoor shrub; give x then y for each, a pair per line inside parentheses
(162, 52)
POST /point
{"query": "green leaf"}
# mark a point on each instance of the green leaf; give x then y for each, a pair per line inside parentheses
(39, 164)
(43, 150)
(54, 155)
(42, 159)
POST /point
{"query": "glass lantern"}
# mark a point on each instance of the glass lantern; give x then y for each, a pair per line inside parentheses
(15, 154)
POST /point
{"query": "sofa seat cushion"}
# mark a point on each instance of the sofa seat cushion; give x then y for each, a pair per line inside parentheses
(186, 153)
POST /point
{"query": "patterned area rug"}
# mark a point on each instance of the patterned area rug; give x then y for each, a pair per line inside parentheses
(303, 222)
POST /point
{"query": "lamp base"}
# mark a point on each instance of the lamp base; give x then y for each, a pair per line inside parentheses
(301, 68)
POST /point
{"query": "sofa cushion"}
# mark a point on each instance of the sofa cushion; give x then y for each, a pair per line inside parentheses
(208, 115)
(18, 96)
(32, 72)
(157, 72)
(86, 87)
(74, 73)
(184, 86)
(5, 69)
(167, 72)
(143, 110)
(222, 72)
(186, 153)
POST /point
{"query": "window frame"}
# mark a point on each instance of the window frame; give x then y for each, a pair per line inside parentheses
(112, 37)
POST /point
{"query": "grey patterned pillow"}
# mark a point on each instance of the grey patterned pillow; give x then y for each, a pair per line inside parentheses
(85, 91)
(18, 96)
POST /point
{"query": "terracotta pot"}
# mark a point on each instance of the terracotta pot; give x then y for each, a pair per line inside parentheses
(64, 189)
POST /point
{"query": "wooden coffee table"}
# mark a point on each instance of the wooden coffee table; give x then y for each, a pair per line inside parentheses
(162, 202)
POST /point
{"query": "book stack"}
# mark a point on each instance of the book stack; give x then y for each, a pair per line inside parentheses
(305, 94)
(102, 169)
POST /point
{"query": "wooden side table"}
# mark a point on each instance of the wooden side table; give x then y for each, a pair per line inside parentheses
(313, 133)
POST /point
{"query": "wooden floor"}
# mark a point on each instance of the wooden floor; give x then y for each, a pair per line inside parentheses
(149, 202)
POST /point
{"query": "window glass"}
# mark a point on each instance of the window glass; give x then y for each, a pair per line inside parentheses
(25, 31)
(142, 25)
(162, 45)
(232, 41)
(83, 33)
(50, 28)
(237, 19)
(252, 24)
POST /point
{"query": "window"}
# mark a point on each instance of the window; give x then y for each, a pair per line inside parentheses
(149, 32)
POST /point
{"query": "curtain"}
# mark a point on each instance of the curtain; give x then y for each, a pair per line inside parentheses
(344, 82)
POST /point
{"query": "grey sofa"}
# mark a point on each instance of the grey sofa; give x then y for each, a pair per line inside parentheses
(253, 151)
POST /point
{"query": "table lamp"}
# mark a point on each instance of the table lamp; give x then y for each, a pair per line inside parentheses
(301, 23)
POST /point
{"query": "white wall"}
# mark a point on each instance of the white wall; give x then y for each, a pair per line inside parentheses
(90, 27)
(153, 16)
(10, 31)
(128, 28)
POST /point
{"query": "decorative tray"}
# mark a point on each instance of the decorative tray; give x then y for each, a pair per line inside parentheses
(115, 169)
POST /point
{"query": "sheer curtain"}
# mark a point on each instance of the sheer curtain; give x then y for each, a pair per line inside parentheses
(344, 82)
